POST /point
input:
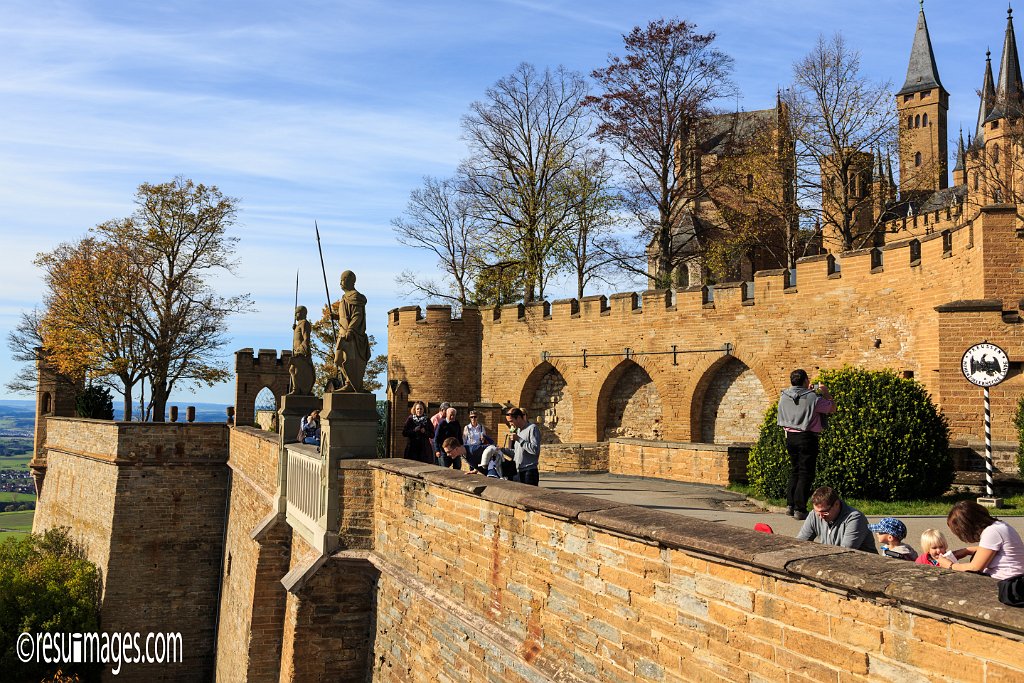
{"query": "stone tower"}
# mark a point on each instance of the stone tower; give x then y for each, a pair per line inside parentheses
(922, 104)
(55, 397)
(1002, 125)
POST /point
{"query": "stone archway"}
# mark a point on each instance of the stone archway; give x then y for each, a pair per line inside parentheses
(553, 404)
(733, 404)
(632, 405)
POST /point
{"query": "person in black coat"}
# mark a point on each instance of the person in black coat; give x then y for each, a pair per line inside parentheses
(418, 430)
(448, 427)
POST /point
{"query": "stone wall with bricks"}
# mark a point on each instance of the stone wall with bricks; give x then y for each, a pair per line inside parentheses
(257, 552)
(574, 457)
(698, 463)
(148, 502)
(716, 358)
(485, 580)
(253, 373)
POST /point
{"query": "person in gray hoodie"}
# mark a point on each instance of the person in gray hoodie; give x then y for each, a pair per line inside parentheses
(801, 414)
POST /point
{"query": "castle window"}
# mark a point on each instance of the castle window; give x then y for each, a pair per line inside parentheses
(995, 124)
(947, 243)
(924, 120)
(915, 252)
(910, 122)
(917, 159)
(975, 182)
(750, 181)
(47, 406)
(995, 153)
(917, 121)
(908, 98)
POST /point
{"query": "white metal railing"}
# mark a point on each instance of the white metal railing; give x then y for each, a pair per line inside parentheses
(307, 489)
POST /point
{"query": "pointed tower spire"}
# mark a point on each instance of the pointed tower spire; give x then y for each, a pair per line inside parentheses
(922, 74)
(1009, 90)
(960, 153)
(988, 101)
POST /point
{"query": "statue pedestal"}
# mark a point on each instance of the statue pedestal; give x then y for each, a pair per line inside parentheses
(349, 426)
(293, 409)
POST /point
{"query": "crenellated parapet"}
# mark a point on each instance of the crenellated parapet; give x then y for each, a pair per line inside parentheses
(436, 354)
(873, 308)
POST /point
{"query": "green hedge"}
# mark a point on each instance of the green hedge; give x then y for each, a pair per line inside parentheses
(886, 441)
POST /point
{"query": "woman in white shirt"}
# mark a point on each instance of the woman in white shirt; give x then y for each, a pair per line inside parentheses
(999, 552)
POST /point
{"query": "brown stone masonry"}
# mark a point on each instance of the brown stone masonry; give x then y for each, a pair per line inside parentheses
(148, 501)
(873, 308)
(484, 580)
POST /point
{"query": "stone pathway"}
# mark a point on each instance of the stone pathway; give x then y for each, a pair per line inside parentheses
(716, 504)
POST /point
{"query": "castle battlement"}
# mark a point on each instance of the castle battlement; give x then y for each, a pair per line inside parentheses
(265, 358)
(943, 260)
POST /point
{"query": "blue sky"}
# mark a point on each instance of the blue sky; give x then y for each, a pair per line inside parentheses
(335, 110)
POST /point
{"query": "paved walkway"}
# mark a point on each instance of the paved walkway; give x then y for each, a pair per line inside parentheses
(716, 504)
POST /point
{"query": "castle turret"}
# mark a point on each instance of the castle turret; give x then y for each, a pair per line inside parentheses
(959, 171)
(988, 101)
(1009, 95)
(922, 104)
(997, 181)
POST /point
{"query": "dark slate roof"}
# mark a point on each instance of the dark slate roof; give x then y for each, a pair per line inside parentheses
(922, 74)
(936, 201)
(960, 153)
(942, 199)
(1009, 90)
(988, 100)
(721, 129)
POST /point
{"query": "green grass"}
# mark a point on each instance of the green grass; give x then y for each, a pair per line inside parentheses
(15, 462)
(15, 523)
(1013, 506)
(11, 497)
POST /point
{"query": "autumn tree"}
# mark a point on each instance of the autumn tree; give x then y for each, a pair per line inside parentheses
(651, 106)
(177, 239)
(438, 221)
(86, 330)
(524, 137)
(840, 120)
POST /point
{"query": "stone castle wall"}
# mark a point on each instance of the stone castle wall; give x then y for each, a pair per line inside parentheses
(446, 576)
(484, 580)
(872, 308)
(257, 551)
(148, 502)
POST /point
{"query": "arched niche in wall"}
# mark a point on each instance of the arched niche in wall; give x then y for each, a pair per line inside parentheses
(630, 405)
(732, 404)
(546, 395)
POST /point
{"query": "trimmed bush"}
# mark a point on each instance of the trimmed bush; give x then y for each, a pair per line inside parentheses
(886, 441)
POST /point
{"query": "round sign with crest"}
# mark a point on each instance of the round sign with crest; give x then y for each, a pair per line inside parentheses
(985, 364)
